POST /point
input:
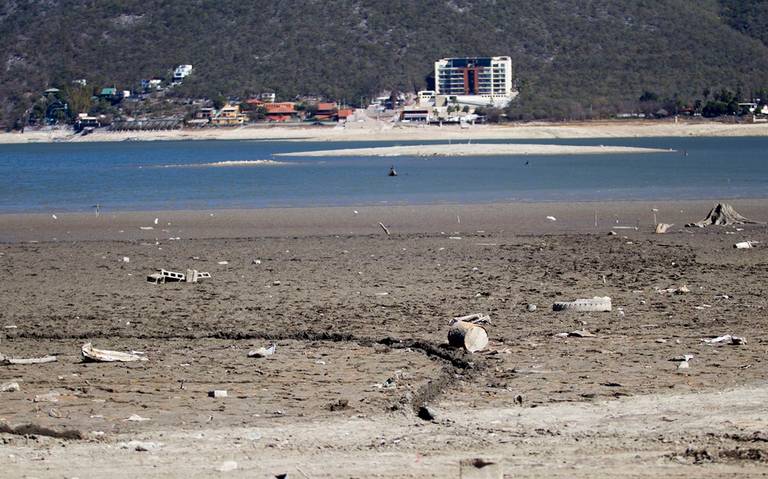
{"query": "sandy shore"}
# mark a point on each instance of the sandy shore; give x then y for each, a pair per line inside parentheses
(479, 149)
(381, 131)
(360, 321)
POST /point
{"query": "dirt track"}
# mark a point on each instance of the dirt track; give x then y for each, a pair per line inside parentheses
(546, 406)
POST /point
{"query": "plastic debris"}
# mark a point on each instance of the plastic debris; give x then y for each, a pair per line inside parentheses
(105, 356)
(726, 339)
(596, 304)
(165, 276)
(263, 352)
(217, 393)
(745, 244)
(551, 218)
(531, 307)
(137, 418)
(662, 228)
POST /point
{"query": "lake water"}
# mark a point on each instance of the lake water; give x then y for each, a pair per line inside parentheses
(183, 175)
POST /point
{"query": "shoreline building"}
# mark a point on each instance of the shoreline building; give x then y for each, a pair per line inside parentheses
(476, 81)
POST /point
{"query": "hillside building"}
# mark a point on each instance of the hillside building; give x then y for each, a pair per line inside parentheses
(181, 72)
(229, 115)
(476, 81)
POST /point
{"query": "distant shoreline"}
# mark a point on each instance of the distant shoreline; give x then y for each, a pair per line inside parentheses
(384, 131)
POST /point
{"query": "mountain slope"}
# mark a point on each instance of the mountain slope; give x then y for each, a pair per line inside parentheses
(588, 53)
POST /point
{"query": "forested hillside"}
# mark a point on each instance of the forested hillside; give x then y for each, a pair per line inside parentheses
(590, 54)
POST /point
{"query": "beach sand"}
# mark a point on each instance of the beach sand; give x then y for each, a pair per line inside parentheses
(360, 321)
(385, 131)
(479, 149)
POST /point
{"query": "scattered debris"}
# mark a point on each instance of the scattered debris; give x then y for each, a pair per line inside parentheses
(727, 339)
(683, 358)
(263, 352)
(386, 230)
(165, 276)
(596, 304)
(9, 387)
(454, 237)
(683, 365)
(551, 218)
(137, 418)
(662, 228)
(531, 307)
(579, 333)
(126, 259)
(194, 276)
(681, 290)
(476, 318)
(467, 335)
(746, 244)
(104, 356)
(612, 233)
(223, 263)
(722, 214)
(480, 469)
(146, 228)
(256, 261)
(217, 393)
(6, 361)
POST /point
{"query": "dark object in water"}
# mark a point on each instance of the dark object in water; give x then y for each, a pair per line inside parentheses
(392, 171)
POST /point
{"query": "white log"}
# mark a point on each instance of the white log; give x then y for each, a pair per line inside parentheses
(468, 336)
(103, 355)
(45, 359)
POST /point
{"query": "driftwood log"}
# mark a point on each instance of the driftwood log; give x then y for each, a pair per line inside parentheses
(468, 336)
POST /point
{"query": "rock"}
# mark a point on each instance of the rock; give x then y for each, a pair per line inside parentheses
(227, 466)
(427, 413)
(480, 469)
(52, 396)
(140, 446)
(9, 387)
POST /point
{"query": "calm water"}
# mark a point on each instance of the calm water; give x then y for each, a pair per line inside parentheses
(178, 175)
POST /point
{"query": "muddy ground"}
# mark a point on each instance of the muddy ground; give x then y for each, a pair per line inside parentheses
(360, 324)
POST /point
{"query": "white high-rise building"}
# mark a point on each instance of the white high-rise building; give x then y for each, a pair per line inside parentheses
(477, 81)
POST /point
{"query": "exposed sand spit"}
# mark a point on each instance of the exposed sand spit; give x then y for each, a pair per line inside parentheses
(479, 149)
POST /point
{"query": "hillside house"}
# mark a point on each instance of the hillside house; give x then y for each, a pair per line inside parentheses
(281, 112)
(229, 115)
(326, 112)
(181, 72)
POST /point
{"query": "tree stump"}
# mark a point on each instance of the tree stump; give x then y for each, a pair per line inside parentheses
(468, 336)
